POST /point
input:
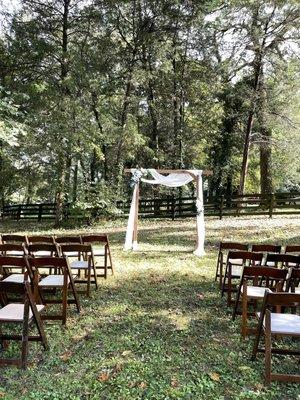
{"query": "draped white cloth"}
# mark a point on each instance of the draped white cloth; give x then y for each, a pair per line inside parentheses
(171, 180)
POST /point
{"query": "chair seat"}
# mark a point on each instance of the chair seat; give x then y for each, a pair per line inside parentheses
(53, 281)
(99, 252)
(79, 264)
(256, 292)
(236, 271)
(16, 278)
(284, 324)
(43, 253)
(14, 312)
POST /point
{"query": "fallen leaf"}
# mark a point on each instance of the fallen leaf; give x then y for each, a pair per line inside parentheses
(200, 296)
(174, 382)
(126, 353)
(66, 356)
(245, 368)
(103, 377)
(214, 376)
(117, 368)
(2, 394)
(143, 385)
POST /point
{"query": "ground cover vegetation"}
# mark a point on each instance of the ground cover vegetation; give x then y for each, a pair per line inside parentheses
(157, 330)
(88, 87)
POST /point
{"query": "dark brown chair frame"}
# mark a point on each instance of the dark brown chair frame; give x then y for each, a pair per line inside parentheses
(103, 239)
(248, 258)
(23, 290)
(266, 277)
(272, 301)
(56, 264)
(85, 254)
(221, 262)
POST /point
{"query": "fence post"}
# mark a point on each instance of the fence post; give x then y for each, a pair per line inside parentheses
(19, 212)
(173, 207)
(271, 204)
(221, 206)
(40, 212)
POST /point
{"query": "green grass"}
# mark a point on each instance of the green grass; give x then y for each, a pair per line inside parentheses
(157, 330)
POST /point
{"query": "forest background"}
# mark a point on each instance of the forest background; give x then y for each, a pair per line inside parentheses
(90, 87)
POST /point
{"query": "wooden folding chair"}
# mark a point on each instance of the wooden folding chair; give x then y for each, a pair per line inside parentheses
(84, 263)
(63, 282)
(234, 271)
(280, 325)
(13, 249)
(61, 240)
(264, 279)
(24, 314)
(101, 240)
(222, 258)
(40, 239)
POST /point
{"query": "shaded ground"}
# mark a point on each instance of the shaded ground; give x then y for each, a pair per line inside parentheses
(159, 329)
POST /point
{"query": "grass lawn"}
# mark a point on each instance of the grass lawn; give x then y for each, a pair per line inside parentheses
(157, 330)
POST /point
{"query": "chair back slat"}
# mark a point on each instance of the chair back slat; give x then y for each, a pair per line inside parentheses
(10, 238)
(96, 238)
(10, 261)
(46, 247)
(281, 299)
(17, 247)
(264, 272)
(80, 248)
(40, 239)
(47, 262)
(266, 248)
(245, 255)
(283, 258)
(293, 249)
(68, 239)
(233, 246)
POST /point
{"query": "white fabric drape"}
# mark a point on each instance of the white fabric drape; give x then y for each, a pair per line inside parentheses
(171, 180)
(129, 244)
(200, 217)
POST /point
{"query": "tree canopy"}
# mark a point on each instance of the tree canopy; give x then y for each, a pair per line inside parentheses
(90, 87)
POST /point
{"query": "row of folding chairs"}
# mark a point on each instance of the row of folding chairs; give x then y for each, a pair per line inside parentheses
(37, 272)
(19, 245)
(266, 286)
(269, 255)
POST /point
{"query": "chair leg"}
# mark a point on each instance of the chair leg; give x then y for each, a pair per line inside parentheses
(64, 304)
(89, 281)
(244, 314)
(24, 351)
(75, 295)
(268, 349)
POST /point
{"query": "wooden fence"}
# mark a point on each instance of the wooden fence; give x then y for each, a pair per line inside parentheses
(171, 207)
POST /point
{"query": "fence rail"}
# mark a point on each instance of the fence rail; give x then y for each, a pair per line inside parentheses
(171, 207)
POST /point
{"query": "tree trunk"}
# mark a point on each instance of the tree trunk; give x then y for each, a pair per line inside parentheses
(61, 172)
(100, 127)
(266, 182)
(257, 69)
